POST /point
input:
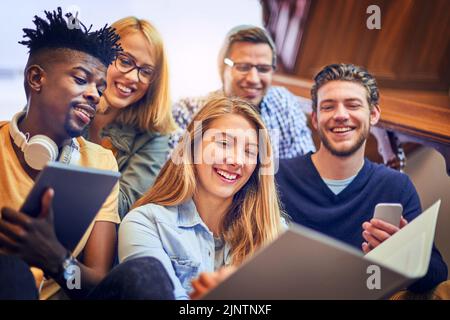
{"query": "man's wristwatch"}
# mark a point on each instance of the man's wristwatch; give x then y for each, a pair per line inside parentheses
(68, 266)
(65, 268)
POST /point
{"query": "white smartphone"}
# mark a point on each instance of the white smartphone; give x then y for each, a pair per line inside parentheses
(389, 212)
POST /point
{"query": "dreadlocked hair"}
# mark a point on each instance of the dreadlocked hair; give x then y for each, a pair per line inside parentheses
(101, 44)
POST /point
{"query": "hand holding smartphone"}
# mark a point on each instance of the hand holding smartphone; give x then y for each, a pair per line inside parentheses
(389, 212)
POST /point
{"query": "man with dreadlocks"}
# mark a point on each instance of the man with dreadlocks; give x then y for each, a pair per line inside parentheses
(64, 79)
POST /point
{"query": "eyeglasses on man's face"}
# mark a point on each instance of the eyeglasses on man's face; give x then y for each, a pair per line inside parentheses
(125, 63)
(246, 67)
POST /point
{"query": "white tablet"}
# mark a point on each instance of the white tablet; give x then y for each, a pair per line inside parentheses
(79, 194)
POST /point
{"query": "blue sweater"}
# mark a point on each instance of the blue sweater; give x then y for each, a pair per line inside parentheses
(310, 202)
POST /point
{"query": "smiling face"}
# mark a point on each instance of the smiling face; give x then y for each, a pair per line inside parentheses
(69, 91)
(343, 117)
(124, 89)
(251, 86)
(229, 154)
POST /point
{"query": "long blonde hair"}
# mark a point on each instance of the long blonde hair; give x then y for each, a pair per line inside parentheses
(153, 112)
(253, 219)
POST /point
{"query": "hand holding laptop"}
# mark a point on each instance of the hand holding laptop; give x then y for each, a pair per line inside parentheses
(293, 265)
(209, 280)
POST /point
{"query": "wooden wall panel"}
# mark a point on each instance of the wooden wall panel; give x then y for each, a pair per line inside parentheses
(411, 51)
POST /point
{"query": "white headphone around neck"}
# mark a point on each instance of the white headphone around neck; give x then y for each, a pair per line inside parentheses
(40, 149)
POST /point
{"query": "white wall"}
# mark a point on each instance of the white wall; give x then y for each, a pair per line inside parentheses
(192, 30)
(426, 168)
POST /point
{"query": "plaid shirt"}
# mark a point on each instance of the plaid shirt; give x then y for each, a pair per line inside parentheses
(282, 113)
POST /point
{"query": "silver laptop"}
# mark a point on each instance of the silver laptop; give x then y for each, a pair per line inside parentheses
(305, 264)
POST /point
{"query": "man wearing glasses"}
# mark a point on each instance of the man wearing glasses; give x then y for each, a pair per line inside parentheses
(247, 61)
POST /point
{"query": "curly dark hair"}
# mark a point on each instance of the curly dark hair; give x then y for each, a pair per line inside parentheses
(346, 72)
(54, 34)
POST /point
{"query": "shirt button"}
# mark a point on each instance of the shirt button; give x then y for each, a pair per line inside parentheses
(209, 253)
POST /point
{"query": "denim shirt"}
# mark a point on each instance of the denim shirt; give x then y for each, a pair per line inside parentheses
(176, 236)
(140, 156)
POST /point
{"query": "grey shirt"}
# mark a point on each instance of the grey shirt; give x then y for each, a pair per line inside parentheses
(338, 185)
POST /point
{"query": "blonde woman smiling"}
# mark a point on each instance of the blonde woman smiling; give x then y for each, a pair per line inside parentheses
(199, 217)
(135, 114)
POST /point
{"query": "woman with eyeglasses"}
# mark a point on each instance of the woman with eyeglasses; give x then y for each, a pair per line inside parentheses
(134, 116)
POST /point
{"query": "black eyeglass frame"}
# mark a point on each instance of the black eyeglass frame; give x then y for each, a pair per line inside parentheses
(134, 66)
